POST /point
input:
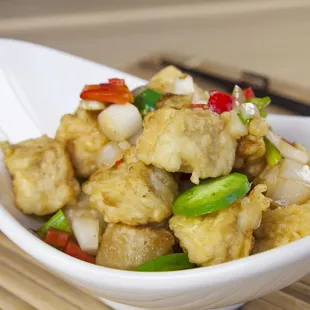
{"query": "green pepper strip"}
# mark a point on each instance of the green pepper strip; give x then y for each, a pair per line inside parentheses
(58, 221)
(273, 156)
(261, 104)
(243, 119)
(170, 262)
(146, 101)
(211, 195)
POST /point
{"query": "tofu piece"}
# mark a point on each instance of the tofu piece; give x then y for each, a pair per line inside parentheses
(43, 177)
(282, 226)
(127, 247)
(163, 81)
(251, 147)
(250, 155)
(174, 101)
(187, 140)
(83, 139)
(224, 235)
(133, 193)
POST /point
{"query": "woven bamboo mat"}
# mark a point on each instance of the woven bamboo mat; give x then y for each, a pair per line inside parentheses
(26, 285)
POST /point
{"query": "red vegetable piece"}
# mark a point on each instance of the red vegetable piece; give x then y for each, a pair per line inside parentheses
(115, 91)
(74, 250)
(198, 105)
(248, 93)
(110, 96)
(220, 102)
(118, 163)
(56, 237)
(117, 82)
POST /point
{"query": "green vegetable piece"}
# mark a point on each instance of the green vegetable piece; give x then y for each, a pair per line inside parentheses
(57, 221)
(261, 104)
(243, 119)
(146, 101)
(170, 262)
(272, 155)
(211, 195)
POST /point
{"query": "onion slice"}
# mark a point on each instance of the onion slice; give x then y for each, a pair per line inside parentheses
(288, 182)
(287, 150)
(109, 155)
(289, 191)
(183, 85)
(293, 170)
(120, 121)
(86, 232)
(238, 95)
(248, 110)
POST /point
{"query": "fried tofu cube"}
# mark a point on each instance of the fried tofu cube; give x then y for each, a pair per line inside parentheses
(163, 81)
(174, 101)
(224, 235)
(187, 140)
(83, 139)
(132, 193)
(127, 247)
(282, 226)
(43, 177)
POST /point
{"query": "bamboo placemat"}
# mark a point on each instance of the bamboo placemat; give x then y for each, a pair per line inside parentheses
(26, 285)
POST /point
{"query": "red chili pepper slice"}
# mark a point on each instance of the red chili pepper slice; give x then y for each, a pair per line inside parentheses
(248, 93)
(107, 96)
(116, 165)
(220, 102)
(115, 91)
(198, 105)
(74, 250)
(56, 237)
(117, 82)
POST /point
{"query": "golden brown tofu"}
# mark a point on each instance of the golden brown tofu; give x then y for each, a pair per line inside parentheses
(174, 101)
(258, 127)
(83, 140)
(250, 155)
(163, 81)
(89, 117)
(43, 177)
(224, 235)
(127, 247)
(132, 193)
(188, 140)
(282, 226)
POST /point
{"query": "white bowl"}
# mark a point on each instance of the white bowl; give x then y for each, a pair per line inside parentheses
(41, 85)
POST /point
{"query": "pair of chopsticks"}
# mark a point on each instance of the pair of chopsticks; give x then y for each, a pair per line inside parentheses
(283, 94)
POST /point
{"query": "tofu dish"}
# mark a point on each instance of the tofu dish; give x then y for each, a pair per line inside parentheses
(164, 177)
